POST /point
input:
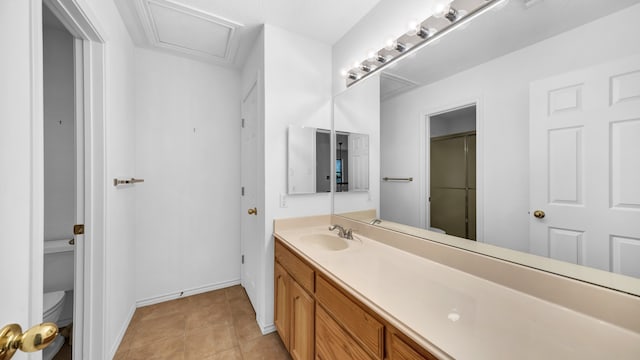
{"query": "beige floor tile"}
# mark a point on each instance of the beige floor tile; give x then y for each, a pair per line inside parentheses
(121, 354)
(153, 330)
(241, 307)
(127, 339)
(169, 348)
(207, 316)
(267, 347)
(235, 292)
(152, 312)
(231, 354)
(246, 328)
(212, 297)
(204, 342)
(216, 325)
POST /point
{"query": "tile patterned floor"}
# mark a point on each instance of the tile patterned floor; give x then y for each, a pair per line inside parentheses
(215, 325)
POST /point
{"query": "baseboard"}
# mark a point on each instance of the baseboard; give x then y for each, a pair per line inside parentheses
(122, 332)
(187, 292)
(267, 329)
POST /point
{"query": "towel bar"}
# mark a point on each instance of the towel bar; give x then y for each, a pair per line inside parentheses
(117, 182)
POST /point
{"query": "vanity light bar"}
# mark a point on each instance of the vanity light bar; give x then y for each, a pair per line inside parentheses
(458, 12)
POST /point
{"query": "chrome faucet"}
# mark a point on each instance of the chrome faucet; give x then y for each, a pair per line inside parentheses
(345, 234)
(375, 221)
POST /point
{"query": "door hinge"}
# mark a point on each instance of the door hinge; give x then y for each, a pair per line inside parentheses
(243, 123)
(243, 259)
(242, 191)
(78, 229)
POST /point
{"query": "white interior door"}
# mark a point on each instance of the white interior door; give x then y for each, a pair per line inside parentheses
(358, 162)
(250, 214)
(585, 154)
(21, 161)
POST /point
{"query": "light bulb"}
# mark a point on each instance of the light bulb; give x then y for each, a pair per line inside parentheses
(396, 45)
(372, 55)
(413, 27)
(441, 9)
(390, 44)
(344, 73)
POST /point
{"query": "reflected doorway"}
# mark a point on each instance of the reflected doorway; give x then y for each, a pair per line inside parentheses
(452, 172)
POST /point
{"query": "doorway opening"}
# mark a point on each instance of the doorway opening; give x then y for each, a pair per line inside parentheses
(63, 203)
(452, 172)
(75, 124)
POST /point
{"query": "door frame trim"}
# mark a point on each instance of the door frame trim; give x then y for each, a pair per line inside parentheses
(90, 302)
(425, 131)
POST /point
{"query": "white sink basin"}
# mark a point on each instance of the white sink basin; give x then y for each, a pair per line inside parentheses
(326, 241)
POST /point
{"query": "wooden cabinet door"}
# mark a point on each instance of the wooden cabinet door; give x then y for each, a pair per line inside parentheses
(400, 350)
(282, 305)
(302, 314)
(333, 342)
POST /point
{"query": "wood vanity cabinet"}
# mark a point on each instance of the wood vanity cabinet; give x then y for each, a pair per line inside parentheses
(364, 329)
(316, 318)
(400, 349)
(294, 312)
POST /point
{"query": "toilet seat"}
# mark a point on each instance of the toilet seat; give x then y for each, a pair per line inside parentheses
(52, 301)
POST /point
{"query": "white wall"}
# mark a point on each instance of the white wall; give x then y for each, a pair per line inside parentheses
(297, 88)
(188, 151)
(59, 134)
(357, 110)
(441, 126)
(502, 87)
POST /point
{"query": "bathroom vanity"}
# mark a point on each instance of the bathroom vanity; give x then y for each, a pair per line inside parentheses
(386, 295)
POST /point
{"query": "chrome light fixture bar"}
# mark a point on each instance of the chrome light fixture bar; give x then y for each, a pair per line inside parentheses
(449, 15)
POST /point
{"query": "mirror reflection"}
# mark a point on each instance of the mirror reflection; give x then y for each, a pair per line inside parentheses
(520, 131)
(309, 160)
(352, 161)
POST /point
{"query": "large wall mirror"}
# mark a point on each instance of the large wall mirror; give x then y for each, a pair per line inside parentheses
(517, 136)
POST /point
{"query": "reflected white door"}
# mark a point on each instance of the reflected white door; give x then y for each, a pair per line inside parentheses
(249, 222)
(585, 154)
(358, 162)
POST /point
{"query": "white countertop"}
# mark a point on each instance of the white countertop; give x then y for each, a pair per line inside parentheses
(491, 320)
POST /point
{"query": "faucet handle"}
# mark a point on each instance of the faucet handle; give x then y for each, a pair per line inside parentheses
(349, 234)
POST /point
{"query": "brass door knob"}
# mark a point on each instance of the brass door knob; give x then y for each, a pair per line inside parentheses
(539, 214)
(253, 211)
(34, 339)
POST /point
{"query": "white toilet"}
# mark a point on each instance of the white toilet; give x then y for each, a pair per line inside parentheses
(52, 308)
(58, 289)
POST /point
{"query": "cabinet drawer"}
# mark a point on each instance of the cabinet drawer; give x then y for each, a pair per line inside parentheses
(365, 328)
(300, 271)
(332, 342)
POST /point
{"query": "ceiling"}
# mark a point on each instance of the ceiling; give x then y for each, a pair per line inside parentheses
(223, 31)
(517, 25)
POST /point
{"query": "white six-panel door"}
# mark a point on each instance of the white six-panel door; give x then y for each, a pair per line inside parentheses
(585, 166)
(249, 231)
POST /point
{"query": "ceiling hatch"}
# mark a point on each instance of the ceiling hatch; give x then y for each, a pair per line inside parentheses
(392, 85)
(187, 30)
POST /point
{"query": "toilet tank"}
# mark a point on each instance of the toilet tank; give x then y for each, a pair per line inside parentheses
(58, 265)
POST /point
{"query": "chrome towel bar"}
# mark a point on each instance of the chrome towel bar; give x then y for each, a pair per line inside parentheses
(397, 179)
(117, 182)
